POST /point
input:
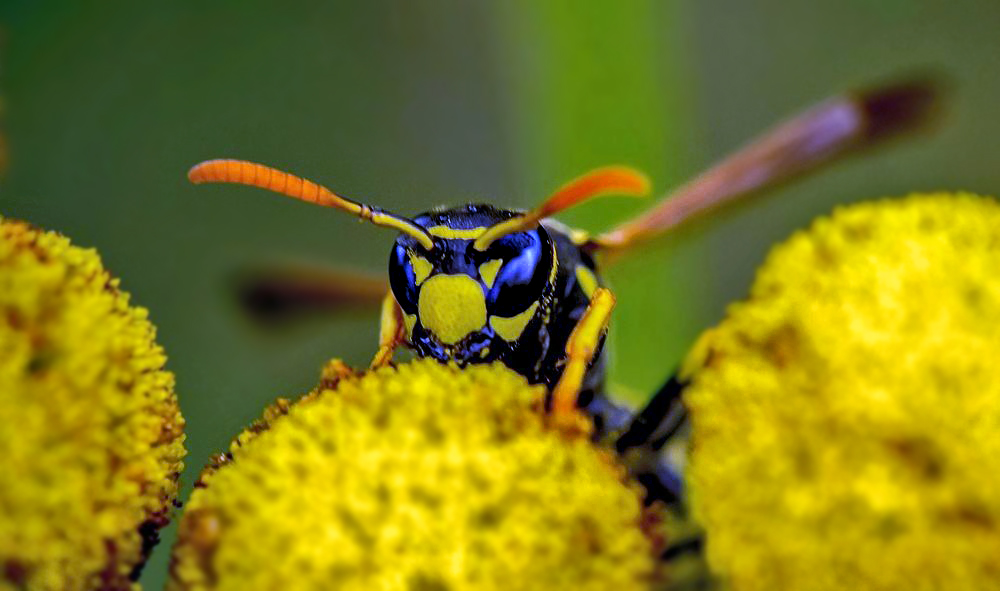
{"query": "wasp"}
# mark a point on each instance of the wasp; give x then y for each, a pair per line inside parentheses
(479, 283)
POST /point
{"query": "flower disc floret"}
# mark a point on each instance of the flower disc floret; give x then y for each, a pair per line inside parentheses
(423, 477)
(846, 417)
(91, 437)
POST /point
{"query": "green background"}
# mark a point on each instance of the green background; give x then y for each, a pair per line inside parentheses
(410, 105)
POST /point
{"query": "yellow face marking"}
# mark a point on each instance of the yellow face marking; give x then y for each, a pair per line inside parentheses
(510, 329)
(409, 321)
(587, 280)
(455, 234)
(421, 267)
(488, 271)
(452, 306)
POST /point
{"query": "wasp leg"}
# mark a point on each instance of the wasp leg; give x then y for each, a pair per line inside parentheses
(658, 421)
(642, 443)
(391, 331)
(692, 545)
(583, 343)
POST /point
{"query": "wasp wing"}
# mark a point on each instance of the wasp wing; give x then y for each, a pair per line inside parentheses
(281, 292)
(837, 127)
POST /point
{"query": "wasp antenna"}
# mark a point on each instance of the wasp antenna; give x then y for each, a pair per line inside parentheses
(241, 172)
(619, 180)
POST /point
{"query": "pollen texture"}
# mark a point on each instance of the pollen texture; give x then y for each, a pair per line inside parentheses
(846, 417)
(90, 434)
(423, 477)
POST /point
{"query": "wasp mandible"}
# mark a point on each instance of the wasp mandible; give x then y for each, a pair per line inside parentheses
(478, 283)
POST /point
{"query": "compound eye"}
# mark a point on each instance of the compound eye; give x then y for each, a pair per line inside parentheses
(402, 279)
(524, 274)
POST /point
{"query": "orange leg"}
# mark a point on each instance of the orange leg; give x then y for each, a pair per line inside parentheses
(580, 350)
(391, 331)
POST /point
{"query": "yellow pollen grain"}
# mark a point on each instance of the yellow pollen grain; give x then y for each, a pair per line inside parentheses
(456, 233)
(587, 280)
(452, 306)
(488, 271)
(421, 268)
(510, 329)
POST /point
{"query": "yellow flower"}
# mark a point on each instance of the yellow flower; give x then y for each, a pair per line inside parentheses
(421, 478)
(846, 418)
(90, 434)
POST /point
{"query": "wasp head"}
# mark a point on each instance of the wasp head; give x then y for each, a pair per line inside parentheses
(465, 304)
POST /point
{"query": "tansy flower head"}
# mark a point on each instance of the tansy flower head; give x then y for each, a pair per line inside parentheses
(846, 418)
(423, 477)
(90, 434)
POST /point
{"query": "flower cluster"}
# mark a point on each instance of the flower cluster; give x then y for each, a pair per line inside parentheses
(91, 439)
(846, 417)
(421, 477)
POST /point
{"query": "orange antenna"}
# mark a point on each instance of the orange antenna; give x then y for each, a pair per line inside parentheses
(620, 180)
(242, 172)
